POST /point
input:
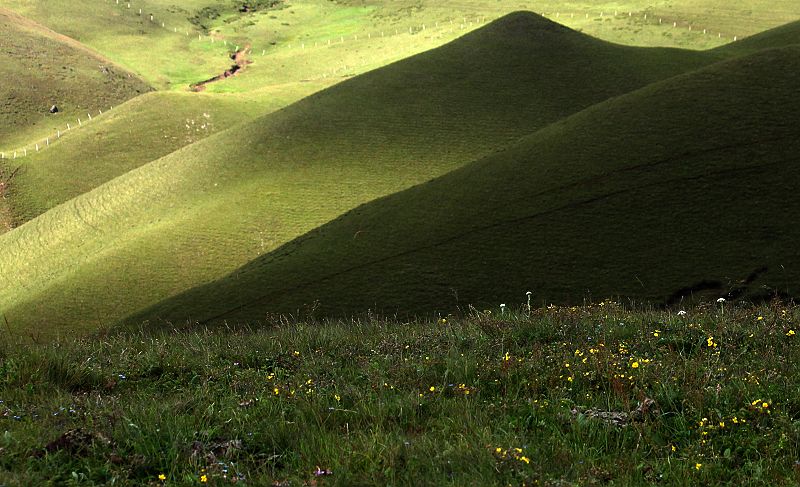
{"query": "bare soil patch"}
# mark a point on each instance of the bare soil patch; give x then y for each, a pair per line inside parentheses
(240, 61)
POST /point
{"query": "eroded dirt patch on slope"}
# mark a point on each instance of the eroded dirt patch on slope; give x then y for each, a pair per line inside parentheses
(240, 62)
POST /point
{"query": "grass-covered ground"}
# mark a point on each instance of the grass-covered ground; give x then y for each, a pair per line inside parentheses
(210, 207)
(589, 395)
(132, 135)
(108, 201)
(41, 68)
(621, 199)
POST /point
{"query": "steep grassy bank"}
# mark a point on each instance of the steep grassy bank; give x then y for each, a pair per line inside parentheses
(580, 396)
(134, 134)
(210, 207)
(41, 68)
(681, 188)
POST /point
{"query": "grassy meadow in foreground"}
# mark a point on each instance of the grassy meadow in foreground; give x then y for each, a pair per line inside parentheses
(586, 395)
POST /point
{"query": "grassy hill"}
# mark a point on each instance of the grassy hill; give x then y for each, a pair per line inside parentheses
(784, 35)
(135, 133)
(174, 49)
(159, 55)
(685, 186)
(41, 68)
(210, 207)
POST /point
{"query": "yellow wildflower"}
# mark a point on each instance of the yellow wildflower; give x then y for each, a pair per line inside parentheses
(790, 333)
(162, 477)
(525, 459)
(698, 466)
(635, 365)
(203, 478)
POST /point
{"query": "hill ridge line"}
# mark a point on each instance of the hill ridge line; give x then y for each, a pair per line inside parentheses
(498, 224)
(45, 143)
(22, 20)
(482, 19)
(42, 143)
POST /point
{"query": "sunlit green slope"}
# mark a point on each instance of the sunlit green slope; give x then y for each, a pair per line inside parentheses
(41, 68)
(687, 186)
(210, 207)
(135, 133)
(785, 35)
(168, 57)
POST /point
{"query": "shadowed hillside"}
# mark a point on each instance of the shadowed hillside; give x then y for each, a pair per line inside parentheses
(211, 207)
(688, 185)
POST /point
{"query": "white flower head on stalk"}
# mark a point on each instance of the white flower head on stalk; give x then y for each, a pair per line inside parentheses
(721, 300)
(681, 313)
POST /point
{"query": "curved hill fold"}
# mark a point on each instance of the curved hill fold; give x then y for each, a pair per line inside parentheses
(785, 35)
(144, 129)
(41, 68)
(201, 212)
(687, 185)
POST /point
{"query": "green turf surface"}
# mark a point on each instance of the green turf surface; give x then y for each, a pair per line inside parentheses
(141, 229)
(784, 35)
(166, 59)
(41, 68)
(583, 396)
(173, 56)
(140, 131)
(210, 207)
(638, 197)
